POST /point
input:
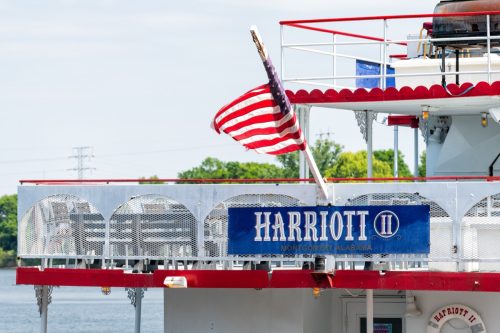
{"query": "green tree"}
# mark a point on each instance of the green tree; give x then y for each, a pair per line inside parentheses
(324, 151)
(422, 169)
(387, 156)
(8, 222)
(151, 180)
(355, 165)
(213, 168)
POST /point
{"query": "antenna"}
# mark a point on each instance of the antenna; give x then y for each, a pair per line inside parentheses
(82, 154)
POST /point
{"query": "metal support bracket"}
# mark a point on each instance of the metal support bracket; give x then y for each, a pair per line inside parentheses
(365, 119)
(39, 296)
(133, 293)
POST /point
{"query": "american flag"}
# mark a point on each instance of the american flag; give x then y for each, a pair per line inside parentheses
(262, 119)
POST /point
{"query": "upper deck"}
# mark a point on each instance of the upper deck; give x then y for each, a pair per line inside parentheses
(392, 64)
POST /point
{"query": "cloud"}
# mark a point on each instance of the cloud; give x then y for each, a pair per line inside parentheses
(337, 8)
(172, 19)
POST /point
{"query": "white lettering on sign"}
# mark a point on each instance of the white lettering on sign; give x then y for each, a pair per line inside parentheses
(310, 227)
(313, 226)
(362, 224)
(336, 220)
(294, 223)
(386, 224)
(456, 311)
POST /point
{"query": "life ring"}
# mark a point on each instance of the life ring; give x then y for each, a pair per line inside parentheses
(456, 311)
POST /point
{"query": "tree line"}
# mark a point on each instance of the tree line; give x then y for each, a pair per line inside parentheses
(332, 161)
(8, 230)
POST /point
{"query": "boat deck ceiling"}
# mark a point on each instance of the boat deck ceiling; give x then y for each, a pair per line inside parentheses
(453, 100)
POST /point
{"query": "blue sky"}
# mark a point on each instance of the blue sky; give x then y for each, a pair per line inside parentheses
(140, 81)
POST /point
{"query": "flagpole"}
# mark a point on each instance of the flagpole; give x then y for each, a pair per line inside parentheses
(315, 171)
(264, 56)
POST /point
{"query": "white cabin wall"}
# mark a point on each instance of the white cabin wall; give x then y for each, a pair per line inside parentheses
(318, 312)
(336, 318)
(237, 310)
(468, 149)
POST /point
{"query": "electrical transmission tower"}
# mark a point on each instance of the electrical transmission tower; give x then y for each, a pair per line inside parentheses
(328, 134)
(82, 155)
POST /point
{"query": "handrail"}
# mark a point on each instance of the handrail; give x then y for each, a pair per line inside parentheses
(342, 33)
(387, 17)
(490, 169)
(252, 180)
(384, 43)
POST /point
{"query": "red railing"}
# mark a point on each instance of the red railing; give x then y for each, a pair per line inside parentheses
(301, 24)
(388, 17)
(252, 181)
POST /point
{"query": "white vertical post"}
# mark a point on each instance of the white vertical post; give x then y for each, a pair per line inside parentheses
(138, 306)
(303, 172)
(415, 148)
(369, 144)
(488, 44)
(165, 310)
(396, 151)
(282, 70)
(334, 61)
(369, 310)
(384, 55)
(302, 111)
(44, 309)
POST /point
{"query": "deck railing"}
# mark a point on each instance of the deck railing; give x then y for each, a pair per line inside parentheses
(336, 71)
(186, 225)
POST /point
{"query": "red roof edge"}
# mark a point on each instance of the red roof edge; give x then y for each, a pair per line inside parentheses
(317, 96)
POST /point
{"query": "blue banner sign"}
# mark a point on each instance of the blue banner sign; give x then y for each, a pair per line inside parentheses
(329, 230)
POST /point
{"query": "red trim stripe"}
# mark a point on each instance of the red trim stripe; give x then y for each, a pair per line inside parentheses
(351, 279)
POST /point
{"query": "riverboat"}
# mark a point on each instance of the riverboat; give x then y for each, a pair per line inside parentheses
(392, 255)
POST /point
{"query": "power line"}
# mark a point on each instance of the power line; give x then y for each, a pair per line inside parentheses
(82, 154)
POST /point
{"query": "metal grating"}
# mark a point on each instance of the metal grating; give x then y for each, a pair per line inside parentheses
(215, 226)
(161, 227)
(480, 230)
(152, 226)
(62, 225)
(441, 222)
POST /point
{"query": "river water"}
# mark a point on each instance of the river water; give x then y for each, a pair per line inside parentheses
(76, 309)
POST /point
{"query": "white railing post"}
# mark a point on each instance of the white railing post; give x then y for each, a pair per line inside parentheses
(384, 59)
(282, 69)
(415, 148)
(396, 151)
(488, 46)
(334, 61)
(369, 143)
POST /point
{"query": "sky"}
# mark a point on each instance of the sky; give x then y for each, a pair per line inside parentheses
(139, 81)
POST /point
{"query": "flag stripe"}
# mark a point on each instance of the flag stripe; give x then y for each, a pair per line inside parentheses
(286, 127)
(252, 93)
(260, 122)
(273, 124)
(262, 97)
(263, 108)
